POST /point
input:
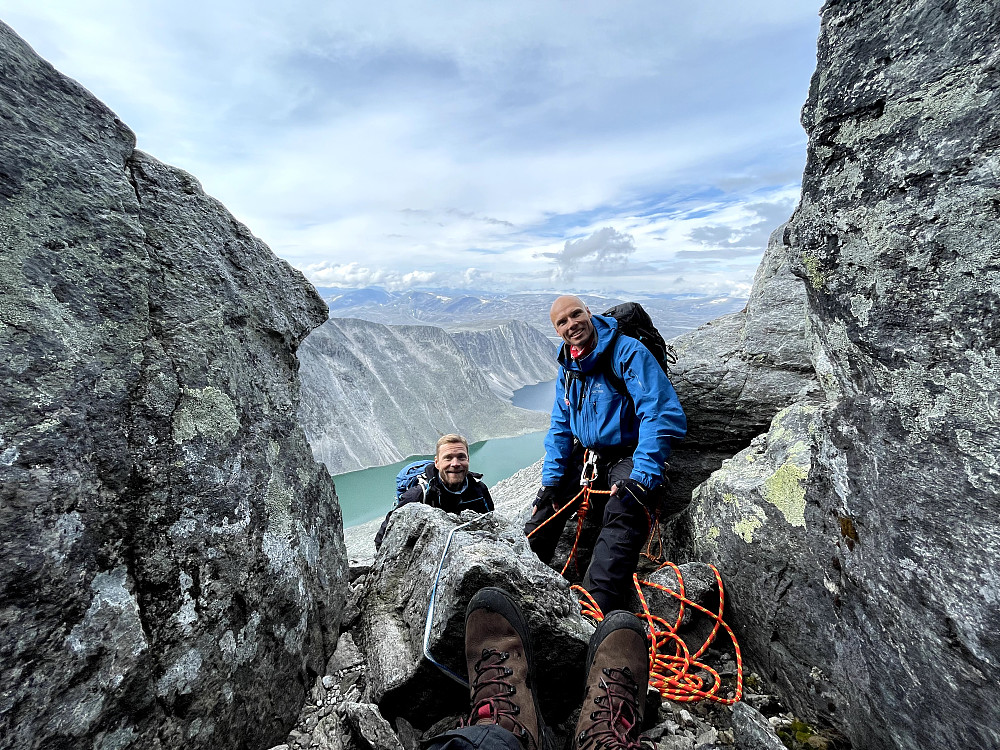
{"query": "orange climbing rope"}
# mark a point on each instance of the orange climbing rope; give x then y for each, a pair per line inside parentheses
(674, 674)
(581, 514)
(589, 465)
(648, 552)
(588, 605)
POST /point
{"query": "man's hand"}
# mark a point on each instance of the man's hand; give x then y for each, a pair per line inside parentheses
(631, 488)
(545, 496)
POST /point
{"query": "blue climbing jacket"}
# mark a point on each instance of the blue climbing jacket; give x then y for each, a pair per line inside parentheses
(590, 407)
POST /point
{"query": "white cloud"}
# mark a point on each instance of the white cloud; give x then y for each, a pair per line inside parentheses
(603, 251)
(354, 275)
(380, 138)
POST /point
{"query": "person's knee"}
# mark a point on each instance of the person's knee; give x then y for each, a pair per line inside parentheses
(625, 512)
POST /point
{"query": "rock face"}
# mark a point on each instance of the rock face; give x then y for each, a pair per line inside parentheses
(511, 355)
(488, 551)
(735, 373)
(860, 535)
(375, 394)
(173, 565)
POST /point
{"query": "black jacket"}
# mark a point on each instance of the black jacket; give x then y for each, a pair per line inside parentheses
(475, 496)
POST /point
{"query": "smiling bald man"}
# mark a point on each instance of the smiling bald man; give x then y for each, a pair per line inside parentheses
(614, 400)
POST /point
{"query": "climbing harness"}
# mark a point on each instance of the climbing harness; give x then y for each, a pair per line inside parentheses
(588, 474)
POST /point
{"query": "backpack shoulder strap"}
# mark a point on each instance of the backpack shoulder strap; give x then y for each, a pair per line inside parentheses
(605, 365)
(425, 487)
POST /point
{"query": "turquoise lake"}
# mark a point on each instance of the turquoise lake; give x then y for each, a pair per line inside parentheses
(369, 493)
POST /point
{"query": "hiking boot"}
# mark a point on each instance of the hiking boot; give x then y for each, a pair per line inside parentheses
(617, 674)
(501, 676)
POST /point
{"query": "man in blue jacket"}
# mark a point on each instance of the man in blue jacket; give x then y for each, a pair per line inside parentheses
(629, 433)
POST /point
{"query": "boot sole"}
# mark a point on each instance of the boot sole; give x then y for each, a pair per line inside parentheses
(499, 601)
(615, 621)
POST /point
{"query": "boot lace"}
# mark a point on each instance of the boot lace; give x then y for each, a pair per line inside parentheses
(616, 723)
(491, 696)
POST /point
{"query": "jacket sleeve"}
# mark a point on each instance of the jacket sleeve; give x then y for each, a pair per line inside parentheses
(559, 440)
(661, 418)
(412, 495)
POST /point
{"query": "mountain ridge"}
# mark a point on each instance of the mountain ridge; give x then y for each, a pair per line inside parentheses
(672, 314)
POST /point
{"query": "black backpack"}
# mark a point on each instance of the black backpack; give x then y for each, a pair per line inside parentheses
(634, 321)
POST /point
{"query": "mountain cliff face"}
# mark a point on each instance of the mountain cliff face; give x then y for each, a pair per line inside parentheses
(860, 534)
(511, 355)
(734, 374)
(173, 562)
(374, 394)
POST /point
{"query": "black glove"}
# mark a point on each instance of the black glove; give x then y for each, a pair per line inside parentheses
(637, 491)
(546, 496)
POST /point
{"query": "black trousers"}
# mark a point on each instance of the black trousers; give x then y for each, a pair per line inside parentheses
(490, 737)
(625, 526)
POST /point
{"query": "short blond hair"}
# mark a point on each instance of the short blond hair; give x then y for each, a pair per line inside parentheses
(450, 439)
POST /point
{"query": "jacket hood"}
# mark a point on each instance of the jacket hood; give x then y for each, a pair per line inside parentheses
(607, 331)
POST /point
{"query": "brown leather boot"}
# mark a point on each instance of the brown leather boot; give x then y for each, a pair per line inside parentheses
(615, 696)
(501, 676)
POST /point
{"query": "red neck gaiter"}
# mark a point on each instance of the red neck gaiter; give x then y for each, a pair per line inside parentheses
(577, 352)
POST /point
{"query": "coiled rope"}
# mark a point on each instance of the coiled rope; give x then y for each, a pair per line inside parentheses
(674, 673)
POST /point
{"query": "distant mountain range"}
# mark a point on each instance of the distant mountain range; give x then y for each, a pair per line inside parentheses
(463, 310)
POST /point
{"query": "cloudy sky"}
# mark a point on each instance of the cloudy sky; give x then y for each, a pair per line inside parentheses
(637, 146)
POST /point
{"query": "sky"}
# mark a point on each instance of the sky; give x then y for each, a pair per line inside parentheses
(626, 146)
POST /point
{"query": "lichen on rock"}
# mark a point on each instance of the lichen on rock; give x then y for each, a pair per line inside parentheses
(169, 542)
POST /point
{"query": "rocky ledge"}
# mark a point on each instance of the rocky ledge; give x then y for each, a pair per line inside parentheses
(380, 690)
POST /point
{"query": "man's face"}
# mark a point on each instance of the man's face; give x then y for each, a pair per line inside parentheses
(572, 322)
(452, 463)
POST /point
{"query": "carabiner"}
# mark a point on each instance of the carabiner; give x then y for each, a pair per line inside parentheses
(589, 462)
